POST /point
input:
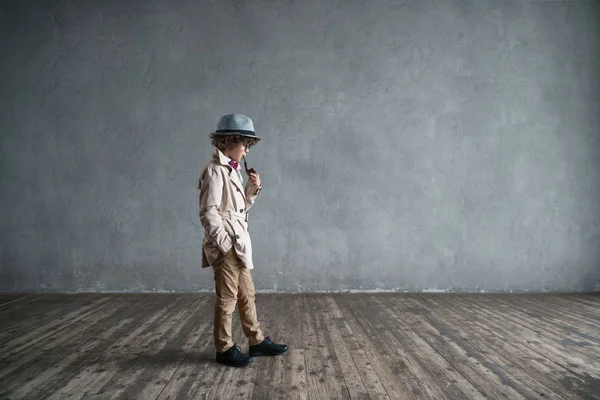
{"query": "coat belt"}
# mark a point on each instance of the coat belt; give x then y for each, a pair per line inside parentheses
(233, 215)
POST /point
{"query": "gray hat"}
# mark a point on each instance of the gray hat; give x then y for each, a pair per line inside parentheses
(236, 124)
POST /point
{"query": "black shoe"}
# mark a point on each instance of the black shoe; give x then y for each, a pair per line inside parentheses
(267, 348)
(233, 357)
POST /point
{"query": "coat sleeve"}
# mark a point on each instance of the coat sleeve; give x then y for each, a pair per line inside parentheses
(211, 191)
(250, 191)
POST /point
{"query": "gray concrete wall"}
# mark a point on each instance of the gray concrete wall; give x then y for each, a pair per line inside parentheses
(408, 145)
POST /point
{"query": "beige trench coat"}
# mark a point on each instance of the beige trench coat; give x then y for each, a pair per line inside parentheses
(224, 205)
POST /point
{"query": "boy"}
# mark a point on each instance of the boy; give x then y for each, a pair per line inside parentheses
(224, 205)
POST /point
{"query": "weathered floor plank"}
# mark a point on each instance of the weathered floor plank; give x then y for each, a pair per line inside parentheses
(544, 362)
(72, 353)
(25, 364)
(12, 299)
(41, 310)
(454, 350)
(145, 373)
(28, 338)
(550, 344)
(342, 346)
(397, 383)
(436, 376)
(359, 355)
(350, 375)
(478, 347)
(322, 368)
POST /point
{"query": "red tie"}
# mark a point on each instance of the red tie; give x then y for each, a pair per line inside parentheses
(234, 164)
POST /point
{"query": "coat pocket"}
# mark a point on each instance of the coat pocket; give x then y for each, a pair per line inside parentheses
(229, 228)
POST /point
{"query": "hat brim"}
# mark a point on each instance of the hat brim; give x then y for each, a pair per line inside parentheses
(248, 134)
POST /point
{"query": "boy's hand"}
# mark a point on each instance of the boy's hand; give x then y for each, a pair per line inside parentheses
(254, 179)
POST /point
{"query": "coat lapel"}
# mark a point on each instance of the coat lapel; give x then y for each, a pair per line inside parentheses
(233, 174)
(235, 178)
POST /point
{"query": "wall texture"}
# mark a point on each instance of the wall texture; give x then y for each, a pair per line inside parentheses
(408, 145)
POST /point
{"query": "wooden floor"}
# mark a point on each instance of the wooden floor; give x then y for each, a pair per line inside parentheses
(346, 346)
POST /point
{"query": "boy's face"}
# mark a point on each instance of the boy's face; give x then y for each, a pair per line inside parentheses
(238, 152)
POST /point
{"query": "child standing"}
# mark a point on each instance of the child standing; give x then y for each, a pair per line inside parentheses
(224, 205)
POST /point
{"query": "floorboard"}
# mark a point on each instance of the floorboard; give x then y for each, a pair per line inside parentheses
(342, 346)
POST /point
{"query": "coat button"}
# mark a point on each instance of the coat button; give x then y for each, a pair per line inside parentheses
(237, 236)
(242, 210)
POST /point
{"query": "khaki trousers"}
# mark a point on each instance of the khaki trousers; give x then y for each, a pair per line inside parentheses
(234, 285)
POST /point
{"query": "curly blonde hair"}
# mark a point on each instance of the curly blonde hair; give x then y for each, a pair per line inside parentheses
(225, 142)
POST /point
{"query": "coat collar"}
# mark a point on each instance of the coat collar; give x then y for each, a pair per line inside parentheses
(222, 159)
